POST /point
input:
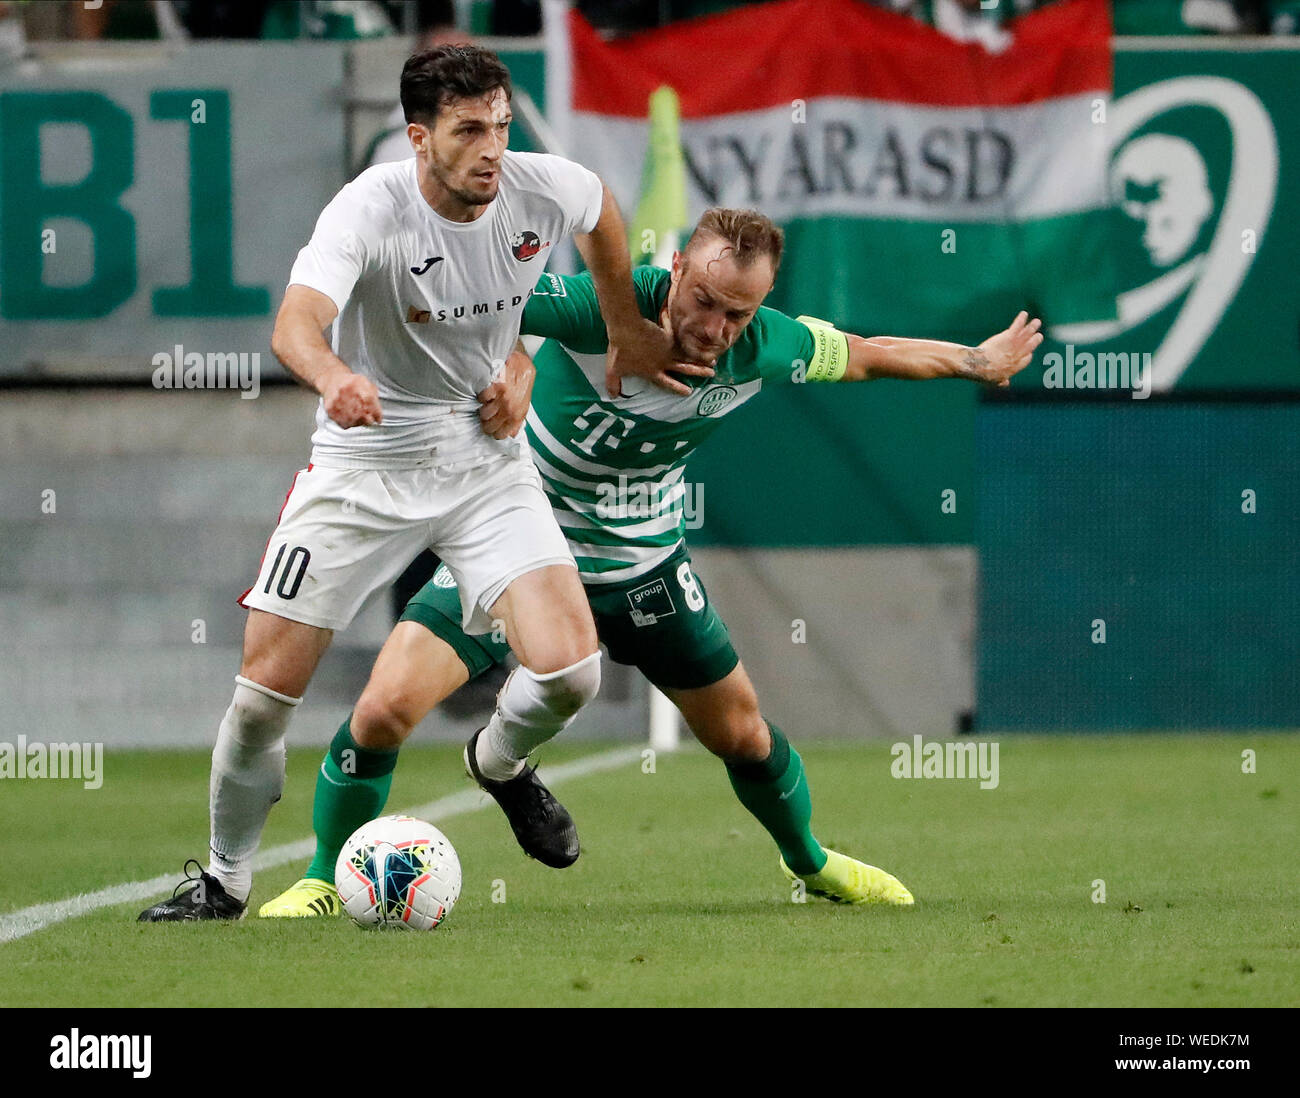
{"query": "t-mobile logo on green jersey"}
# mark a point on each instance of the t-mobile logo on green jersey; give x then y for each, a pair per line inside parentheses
(651, 500)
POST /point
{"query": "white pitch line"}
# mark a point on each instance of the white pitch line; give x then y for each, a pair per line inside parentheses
(18, 924)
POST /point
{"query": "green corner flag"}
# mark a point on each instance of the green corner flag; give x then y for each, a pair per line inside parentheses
(661, 216)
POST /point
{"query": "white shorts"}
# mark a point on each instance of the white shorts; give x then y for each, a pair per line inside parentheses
(344, 533)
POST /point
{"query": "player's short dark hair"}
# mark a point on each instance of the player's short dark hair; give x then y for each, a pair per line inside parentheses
(434, 77)
(749, 233)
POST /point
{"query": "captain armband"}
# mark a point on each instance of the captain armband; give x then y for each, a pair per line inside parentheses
(830, 357)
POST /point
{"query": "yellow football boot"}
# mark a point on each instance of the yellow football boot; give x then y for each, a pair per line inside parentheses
(307, 899)
(845, 880)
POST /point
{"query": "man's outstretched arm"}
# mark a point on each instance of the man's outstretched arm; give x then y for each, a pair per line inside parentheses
(994, 362)
(637, 346)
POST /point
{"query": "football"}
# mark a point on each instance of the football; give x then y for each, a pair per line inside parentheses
(398, 871)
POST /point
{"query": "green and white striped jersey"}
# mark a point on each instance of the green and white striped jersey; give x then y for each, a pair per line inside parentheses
(614, 468)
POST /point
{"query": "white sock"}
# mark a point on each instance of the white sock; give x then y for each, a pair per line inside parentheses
(531, 709)
(247, 779)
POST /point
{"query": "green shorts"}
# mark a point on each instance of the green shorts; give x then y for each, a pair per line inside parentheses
(661, 623)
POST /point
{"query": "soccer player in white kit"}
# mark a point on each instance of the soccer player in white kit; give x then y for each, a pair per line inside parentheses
(423, 268)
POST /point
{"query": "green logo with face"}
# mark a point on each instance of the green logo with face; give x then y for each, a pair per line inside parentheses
(715, 399)
(1194, 170)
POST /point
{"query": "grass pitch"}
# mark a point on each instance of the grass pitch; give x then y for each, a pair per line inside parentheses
(678, 900)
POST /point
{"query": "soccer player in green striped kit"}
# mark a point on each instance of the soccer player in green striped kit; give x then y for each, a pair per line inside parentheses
(595, 453)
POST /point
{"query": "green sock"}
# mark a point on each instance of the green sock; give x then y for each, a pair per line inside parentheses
(351, 787)
(776, 792)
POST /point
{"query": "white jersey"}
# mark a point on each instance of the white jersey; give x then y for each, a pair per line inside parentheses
(430, 308)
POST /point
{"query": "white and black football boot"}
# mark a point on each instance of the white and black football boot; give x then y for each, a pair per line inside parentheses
(205, 898)
(542, 826)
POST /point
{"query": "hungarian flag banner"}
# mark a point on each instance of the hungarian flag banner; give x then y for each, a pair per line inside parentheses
(927, 186)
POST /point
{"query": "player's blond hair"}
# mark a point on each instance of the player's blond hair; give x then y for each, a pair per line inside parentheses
(749, 234)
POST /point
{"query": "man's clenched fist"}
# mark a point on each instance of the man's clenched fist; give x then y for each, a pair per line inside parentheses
(351, 400)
